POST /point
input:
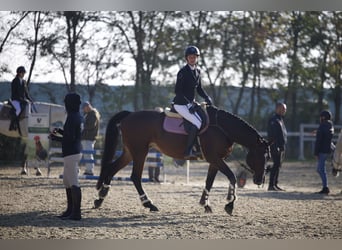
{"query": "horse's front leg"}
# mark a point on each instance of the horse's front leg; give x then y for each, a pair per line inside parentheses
(204, 201)
(231, 197)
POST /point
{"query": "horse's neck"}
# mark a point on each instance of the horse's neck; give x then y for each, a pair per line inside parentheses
(237, 129)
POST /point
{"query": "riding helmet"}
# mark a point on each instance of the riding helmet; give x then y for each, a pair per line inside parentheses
(326, 114)
(21, 69)
(192, 50)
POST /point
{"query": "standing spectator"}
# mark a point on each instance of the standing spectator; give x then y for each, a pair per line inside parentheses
(153, 170)
(277, 136)
(70, 136)
(324, 137)
(89, 134)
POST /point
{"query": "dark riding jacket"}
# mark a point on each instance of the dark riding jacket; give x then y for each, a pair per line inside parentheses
(188, 81)
(19, 90)
(277, 133)
(71, 132)
(324, 136)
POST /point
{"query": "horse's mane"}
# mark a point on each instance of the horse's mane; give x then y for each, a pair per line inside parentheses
(238, 129)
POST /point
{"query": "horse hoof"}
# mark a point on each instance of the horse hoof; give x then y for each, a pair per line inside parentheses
(207, 209)
(153, 208)
(97, 203)
(229, 208)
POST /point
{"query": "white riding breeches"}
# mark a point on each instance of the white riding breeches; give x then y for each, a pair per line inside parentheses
(194, 118)
(17, 107)
(70, 170)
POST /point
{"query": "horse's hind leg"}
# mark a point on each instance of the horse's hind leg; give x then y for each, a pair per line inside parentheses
(204, 201)
(138, 166)
(114, 167)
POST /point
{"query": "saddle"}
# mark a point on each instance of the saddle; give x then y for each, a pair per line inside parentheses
(8, 113)
(175, 123)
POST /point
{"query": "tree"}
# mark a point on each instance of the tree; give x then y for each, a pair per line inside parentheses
(143, 33)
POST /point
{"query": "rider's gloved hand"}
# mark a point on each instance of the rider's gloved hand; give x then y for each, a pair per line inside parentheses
(208, 101)
(192, 109)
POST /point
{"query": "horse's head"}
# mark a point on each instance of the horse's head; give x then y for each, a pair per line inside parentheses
(257, 158)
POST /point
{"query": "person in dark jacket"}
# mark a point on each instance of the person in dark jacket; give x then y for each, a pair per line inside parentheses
(70, 136)
(89, 133)
(324, 135)
(19, 91)
(20, 97)
(189, 81)
(277, 136)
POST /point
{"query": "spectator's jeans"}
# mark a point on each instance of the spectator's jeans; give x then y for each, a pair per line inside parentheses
(321, 168)
(88, 145)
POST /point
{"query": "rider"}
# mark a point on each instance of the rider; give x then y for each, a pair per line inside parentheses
(189, 80)
(19, 96)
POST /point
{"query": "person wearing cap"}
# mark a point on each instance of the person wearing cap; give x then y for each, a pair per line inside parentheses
(70, 137)
(89, 133)
(19, 97)
(188, 81)
(324, 135)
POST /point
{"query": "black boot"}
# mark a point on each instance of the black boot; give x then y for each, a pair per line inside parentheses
(198, 151)
(76, 195)
(325, 190)
(67, 212)
(276, 181)
(188, 155)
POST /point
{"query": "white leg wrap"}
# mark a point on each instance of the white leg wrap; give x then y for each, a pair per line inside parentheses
(144, 199)
(231, 194)
(206, 199)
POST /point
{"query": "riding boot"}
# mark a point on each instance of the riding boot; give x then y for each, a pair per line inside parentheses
(198, 151)
(13, 124)
(76, 196)
(67, 212)
(190, 143)
(276, 181)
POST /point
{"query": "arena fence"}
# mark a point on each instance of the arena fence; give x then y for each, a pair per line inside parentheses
(56, 157)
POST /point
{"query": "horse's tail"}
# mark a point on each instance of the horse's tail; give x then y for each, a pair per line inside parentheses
(110, 144)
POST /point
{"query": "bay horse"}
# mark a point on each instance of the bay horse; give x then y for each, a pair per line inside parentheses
(141, 130)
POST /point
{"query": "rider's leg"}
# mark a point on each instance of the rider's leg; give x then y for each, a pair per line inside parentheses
(190, 143)
(196, 124)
